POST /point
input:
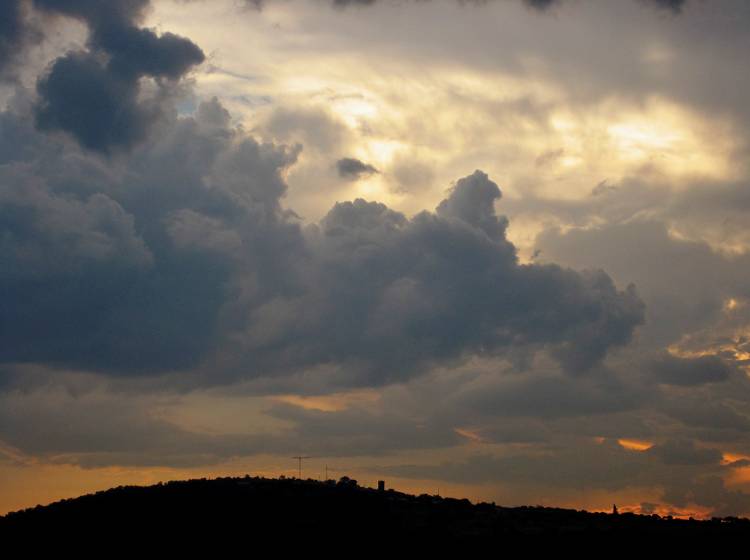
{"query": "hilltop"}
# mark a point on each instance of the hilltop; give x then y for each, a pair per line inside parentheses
(266, 510)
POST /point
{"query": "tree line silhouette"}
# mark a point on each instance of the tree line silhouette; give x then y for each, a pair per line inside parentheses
(273, 510)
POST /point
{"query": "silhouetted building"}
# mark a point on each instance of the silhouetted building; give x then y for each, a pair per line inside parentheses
(381, 485)
(614, 509)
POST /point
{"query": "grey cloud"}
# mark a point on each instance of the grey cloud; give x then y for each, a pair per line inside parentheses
(122, 277)
(15, 34)
(133, 51)
(548, 157)
(99, 428)
(440, 285)
(352, 168)
(95, 95)
(472, 200)
(11, 23)
(205, 267)
(541, 4)
(354, 431)
(315, 128)
(103, 114)
(575, 465)
(692, 284)
(411, 174)
(353, 2)
(694, 479)
(548, 397)
(710, 491)
(690, 371)
(685, 452)
(115, 12)
(712, 415)
(46, 234)
(673, 5)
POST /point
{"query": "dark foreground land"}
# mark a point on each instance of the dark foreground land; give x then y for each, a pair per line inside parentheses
(278, 511)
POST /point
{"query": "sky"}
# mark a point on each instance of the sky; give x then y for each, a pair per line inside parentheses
(489, 249)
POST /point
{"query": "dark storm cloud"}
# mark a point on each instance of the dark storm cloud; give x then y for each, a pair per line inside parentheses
(98, 107)
(134, 51)
(352, 169)
(128, 272)
(95, 95)
(185, 256)
(393, 295)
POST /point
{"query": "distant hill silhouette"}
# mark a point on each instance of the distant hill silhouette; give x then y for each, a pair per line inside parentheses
(276, 510)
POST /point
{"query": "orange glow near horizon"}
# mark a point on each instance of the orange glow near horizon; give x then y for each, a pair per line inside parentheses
(335, 402)
(727, 458)
(635, 444)
(469, 434)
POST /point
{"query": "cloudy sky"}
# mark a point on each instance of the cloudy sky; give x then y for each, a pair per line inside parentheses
(494, 249)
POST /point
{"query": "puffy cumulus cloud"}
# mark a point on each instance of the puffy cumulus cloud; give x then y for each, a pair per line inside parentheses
(472, 200)
(184, 256)
(103, 114)
(127, 270)
(686, 284)
(391, 296)
(96, 95)
(352, 169)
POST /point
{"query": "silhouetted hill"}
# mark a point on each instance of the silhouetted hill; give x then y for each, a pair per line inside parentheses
(277, 510)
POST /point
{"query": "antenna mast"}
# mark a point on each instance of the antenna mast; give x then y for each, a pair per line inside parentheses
(299, 458)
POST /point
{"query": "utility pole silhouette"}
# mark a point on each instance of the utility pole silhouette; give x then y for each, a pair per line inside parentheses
(299, 458)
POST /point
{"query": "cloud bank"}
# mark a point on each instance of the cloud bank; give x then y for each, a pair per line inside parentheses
(185, 256)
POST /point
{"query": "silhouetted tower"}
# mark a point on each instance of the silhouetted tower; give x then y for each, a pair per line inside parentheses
(614, 509)
(299, 458)
(381, 485)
